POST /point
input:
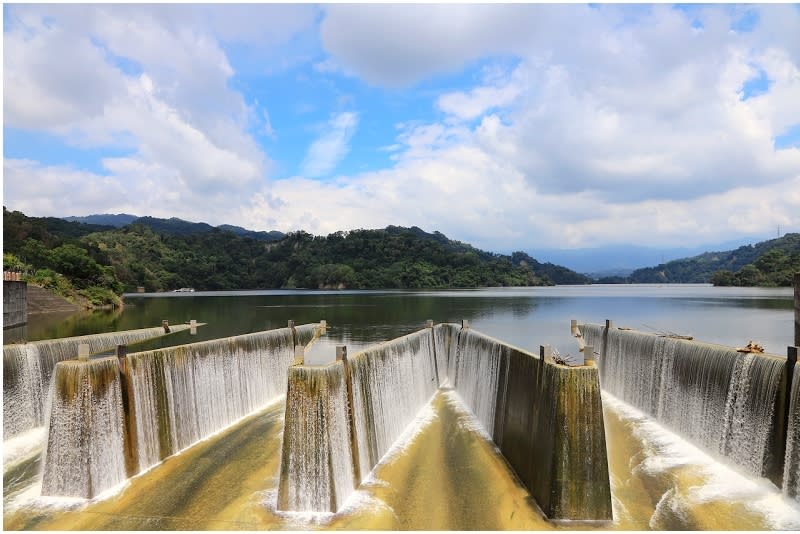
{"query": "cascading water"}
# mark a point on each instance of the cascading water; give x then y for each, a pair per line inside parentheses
(477, 377)
(391, 383)
(316, 441)
(791, 468)
(444, 338)
(545, 418)
(86, 430)
(28, 369)
(718, 398)
(182, 394)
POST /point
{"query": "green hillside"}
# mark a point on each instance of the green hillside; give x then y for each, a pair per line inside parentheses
(217, 259)
(769, 263)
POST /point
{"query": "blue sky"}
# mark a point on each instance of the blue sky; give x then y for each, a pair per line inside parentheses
(509, 127)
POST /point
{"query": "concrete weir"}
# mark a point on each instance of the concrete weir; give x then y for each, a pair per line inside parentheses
(546, 418)
(738, 405)
(111, 418)
(28, 369)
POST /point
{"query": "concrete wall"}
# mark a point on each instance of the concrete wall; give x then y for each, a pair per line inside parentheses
(732, 404)
(317, 462)
(113, 418)
(546, 418)
(797, 310)
(15, 303)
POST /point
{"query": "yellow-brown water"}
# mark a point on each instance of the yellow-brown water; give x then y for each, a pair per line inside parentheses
(446, 476)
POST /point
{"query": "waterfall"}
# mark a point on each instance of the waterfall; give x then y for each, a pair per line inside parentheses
(718, 398)
(85, 431)
(547, 420)
(791, 469)
(444, 338)
(28, 369)
(183, 394)
(316, 441)
(391, 383)
(478, 376)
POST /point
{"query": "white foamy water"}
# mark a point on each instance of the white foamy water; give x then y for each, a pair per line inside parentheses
(391, 383)
(723, 400)
(28, 370)
(23, 446)
(187, 393)
(665, 450)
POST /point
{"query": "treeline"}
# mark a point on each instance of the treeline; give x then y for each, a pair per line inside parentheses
(217, 259)
(774, 268)
(51, 253)
(768, 263)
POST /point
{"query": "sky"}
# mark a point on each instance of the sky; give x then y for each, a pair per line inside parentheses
(510, 127)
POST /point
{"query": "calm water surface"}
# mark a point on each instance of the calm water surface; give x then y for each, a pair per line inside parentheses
(526, 317)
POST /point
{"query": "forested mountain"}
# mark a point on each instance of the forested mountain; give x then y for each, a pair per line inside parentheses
(768, 263)
(108, 219)
(163, 255)
(172, 225)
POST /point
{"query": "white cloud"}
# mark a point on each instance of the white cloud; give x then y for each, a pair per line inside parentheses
(613, 124)
(154, 80)
(397, 45)
(332, 146)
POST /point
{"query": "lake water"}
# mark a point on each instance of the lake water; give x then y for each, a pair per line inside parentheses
(525, 317)
(446, 476)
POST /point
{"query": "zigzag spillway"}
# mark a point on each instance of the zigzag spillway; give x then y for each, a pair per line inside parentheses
(546, 419)
(391, 384)
(720, 399)
(311, 449)
(325, 455)
(28, 370)
(160, 402)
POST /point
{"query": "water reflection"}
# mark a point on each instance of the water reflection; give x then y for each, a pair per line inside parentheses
(526, 317)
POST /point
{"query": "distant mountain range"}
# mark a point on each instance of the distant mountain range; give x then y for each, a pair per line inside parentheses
(783, 254)
(610, 264)
(172, 226)
(622, 260)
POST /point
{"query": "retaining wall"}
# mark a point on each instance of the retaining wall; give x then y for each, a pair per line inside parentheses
(15, 303)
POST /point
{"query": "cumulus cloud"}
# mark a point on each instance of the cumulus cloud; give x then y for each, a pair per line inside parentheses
(398, 45)
(152, 79)
(610, 124)
(332, 146)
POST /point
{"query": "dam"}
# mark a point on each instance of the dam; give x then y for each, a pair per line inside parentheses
(546, 418)
(112, 418)
(28, 370)
(739, 406)
(368, 399)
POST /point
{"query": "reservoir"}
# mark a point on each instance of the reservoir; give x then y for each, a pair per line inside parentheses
(444, 473)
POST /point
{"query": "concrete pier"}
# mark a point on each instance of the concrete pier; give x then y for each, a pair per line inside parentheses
(797, 310)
